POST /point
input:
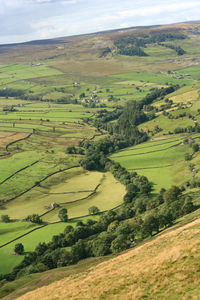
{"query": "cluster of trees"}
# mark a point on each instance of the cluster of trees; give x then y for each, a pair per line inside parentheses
(34, 218)
(74, 150)
(103, 116)
(131, 45)
(157, 94)
(5, 219)
(96, 152)
(105, 52)
(188, 129)
(131, 51)
(132, 114)
(178, 49)
(9, 92)
(115, 231)
(9, 108)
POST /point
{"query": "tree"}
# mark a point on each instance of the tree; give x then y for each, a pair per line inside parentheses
(68, 229)
(188, 156)
(19, 248)
(101, 245)
(41, 248)
(195, 147)
(119, 244)
(63, 215)
(151, 223)
(188, 206)
(5, 218)
(82, 95)
(93, 210)
(35, 218)
(172, 194)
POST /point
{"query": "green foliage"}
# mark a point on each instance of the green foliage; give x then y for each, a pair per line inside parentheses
(151, 224)
(188, 156)
(19, 248)
(195, 147)
(5, 218)
(93, 210)
(101, 245)
(119, 244)
(63, 215)
(172, 194)
(131, 45)
(10, 92)
(34, 218)
(178, 49)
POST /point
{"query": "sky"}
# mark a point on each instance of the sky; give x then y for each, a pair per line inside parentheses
(26, 20)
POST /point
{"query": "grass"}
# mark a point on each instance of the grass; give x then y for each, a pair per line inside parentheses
(30, 241)
(166, 124)
(109, 195)
(9, 137)
(8, 261)
(9, 231)
(154, 158)
(52, 76)
(153, 78)
(165, 267)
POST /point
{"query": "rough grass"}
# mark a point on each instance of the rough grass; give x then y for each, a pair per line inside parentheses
(164, 268)
(7, 138)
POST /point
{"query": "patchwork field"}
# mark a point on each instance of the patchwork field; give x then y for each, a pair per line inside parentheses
(48, 100)
(161, 161)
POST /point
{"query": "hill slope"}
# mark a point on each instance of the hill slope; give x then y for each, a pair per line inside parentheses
(164, 268)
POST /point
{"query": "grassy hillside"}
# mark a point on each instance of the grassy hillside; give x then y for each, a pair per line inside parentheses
(51, 95)
(165, 267)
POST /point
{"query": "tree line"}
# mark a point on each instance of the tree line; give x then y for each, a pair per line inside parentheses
(132, 45)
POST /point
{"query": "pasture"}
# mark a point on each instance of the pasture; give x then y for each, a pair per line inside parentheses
(35, 168)
(43, 234)
(161, 161)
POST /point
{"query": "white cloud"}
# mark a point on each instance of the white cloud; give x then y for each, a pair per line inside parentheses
(23, 20)
(157, 9)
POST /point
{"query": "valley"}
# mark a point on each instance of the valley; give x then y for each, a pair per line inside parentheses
(71, 139)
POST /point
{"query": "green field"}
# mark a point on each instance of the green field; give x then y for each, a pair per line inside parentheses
(61, 97)
(161, 161)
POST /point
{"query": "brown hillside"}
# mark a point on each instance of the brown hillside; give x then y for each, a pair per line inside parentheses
(167, 267)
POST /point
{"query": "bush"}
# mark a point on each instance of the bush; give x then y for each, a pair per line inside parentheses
(19, 248)
(63, 215)
(93, 210)
(35, 218)
(5, 218)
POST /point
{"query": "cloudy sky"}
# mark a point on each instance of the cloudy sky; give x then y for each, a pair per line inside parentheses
(25, 20)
